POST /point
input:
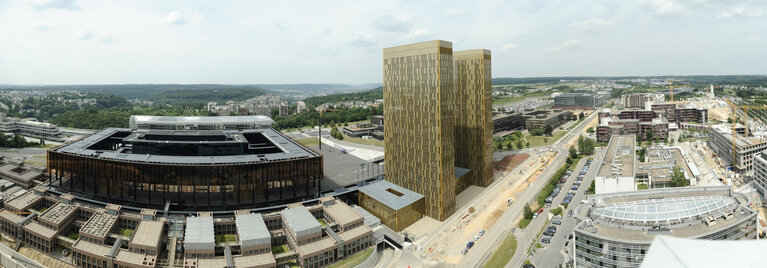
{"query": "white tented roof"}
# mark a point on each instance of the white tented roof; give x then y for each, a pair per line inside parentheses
(199, 234)
(252, 231)
(674, 252)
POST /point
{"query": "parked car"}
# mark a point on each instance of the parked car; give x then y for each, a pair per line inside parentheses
(575, 187)
(540, 211)
(556, 222)
(548, 233)
(481, 232)
(546, 240)
(547, 205)
(570, 213)
(558, 217)
(476, 237)
(509, 201)
(470, 244)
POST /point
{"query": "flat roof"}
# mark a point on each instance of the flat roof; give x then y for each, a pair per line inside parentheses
(135, 258)
(57, 213)
(342, 213)
(619, 158)
(252, 230)
(148, 234)
(90, 247)
(289, 150)
(355, 233)
(23, 201)
(381, 192)
(266, 259)
(99, 224)
(317, 246)
(22, 173)
(41, 230)
(661, 161)
(183, 120)
(199, 233)
(370, 219)
(10, 216)
(300, 221)
(634, 216)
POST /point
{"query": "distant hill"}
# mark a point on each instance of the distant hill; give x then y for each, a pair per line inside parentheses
(369, 95)
(714, 79)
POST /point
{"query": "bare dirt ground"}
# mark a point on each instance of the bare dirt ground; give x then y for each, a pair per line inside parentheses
(42, 258)
(510, 162)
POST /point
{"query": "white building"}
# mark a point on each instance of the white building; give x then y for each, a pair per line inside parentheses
(617, 169)
(29, 127)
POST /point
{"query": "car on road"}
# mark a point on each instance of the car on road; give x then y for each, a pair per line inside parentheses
(570, 213)
(470, 244)
(545, 240)
(556, 222)
(464, 251)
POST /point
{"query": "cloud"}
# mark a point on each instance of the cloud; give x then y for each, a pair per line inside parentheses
(363, 40)
(741, 12)
(43, 27)
(184, 17)
(393, 24)
(53, 4)
(102, 36)
(507, 47)
(566, 45)
(420, 34)
(666, 9)
(455, 11)
(592, 25)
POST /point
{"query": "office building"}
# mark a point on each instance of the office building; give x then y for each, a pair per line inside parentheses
(199, 122)
(616, 229)
(420, 116)
(29, 127)
(508, 121)
(437, 105)
(542, 119)
(474, 118)
(617, 168)
(395, 206)
(641, 100)
(760, 174)
(746, 147)
(580, 100)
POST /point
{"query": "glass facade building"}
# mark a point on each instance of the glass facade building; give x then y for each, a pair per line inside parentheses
(271, 169)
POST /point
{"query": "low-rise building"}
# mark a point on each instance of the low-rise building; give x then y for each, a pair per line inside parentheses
(508, 121)
(29, 127)
(395, 206)
(21, 175)
(199, 237)
(617, 168)
(547, 118)
(746, 147)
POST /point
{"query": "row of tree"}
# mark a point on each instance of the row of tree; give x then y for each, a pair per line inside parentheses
(17, 141)
(336, 134)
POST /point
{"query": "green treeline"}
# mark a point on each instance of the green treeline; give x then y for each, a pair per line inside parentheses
(370, 95)
(119, 116)
(312, 117)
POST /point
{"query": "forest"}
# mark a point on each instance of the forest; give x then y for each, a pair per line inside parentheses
(369, 95)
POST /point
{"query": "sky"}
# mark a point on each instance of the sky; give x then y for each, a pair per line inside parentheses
(259, 42)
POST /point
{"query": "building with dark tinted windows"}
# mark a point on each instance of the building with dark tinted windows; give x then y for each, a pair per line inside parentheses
(199, 169)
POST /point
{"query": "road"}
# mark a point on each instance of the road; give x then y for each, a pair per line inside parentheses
(483, 249)
(552, 255)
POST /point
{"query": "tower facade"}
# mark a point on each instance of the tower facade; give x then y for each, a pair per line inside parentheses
(474, 119)
(419, 115)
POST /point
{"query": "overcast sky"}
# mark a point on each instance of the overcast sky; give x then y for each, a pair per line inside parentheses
(240, 42)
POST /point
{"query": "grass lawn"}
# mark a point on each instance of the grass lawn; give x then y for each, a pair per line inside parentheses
(279, 249)
(642, 186)
(503, 255)
(73, 236)
(308, 141)
(227, 238)
(125, 232)
(523, 223)
(370, 141)
(556, 211)
(537, 141)
(43, 209)
(322, 222)
(352, 261)
(33, 162)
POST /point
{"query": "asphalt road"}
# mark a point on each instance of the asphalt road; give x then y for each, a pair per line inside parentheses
(553, 254)
(484, 249)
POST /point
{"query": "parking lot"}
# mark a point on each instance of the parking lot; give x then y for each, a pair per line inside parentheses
(552, 254)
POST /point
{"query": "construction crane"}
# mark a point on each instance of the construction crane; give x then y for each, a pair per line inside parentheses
(17, 212)
(746, 130)
(671, 87)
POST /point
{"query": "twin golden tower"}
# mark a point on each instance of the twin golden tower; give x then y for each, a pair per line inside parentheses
(438, 118)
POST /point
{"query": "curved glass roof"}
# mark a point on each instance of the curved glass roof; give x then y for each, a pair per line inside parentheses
(667, 209)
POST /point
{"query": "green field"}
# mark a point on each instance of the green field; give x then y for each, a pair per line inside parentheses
(537, 141)
(227, 238)
(503, 255)
(308, 141)
(279, 249)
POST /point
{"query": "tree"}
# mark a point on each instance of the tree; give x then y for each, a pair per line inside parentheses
(649, 135)
(641, 153)
(548, 130)
(573, 152)
(500, 146)
(509, 146)
(527, 144)
(586, 145)
(519, 145)
(528, 213)
(536, 132)
(590, 130)
(677, 177)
